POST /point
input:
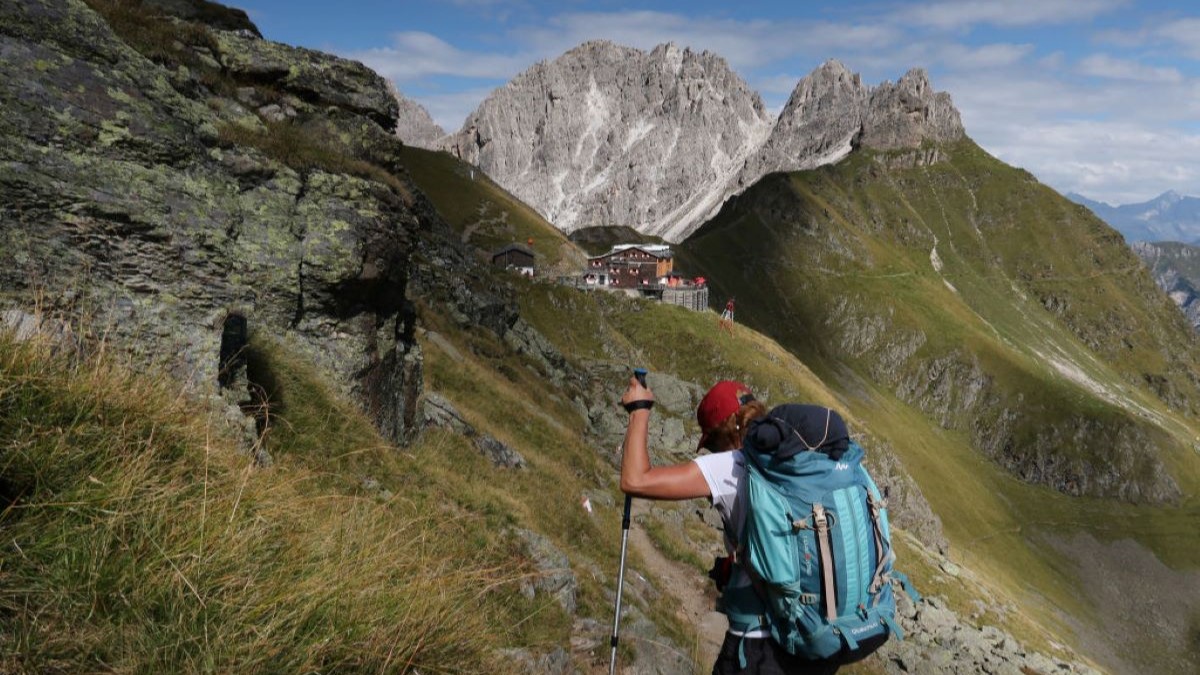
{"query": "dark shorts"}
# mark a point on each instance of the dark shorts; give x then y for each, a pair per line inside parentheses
(765, 657)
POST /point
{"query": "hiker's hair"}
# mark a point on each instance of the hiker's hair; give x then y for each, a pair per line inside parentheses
(732, 431)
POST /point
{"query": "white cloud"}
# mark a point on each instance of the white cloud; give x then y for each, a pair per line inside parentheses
(960, 14)
(1052, 61)
(1185, 33)
(744, 44)
(1118, 162)
(1180, 35)
(1103, 65)
(415, 55)
(1117, 141)
(987, 56)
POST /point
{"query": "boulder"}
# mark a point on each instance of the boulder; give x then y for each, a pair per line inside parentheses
(554, 570)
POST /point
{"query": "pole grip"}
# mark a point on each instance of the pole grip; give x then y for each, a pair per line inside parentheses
(628, 507)
(640, 374)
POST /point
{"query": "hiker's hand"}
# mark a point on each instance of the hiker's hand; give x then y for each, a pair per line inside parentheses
(634, 394)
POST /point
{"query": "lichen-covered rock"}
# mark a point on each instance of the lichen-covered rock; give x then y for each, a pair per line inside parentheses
(118, 200)
(500, 453)
(319, 78)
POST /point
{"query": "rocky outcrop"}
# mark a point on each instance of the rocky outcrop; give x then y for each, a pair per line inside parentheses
(831, 111)
(940, 642)
(906, 114)
(209, 13)
(125, 204)
(439, 412)
(607, 135)
(414, 126)
(611, 135)
(318, 78)
(1176, 269)
(554, 576)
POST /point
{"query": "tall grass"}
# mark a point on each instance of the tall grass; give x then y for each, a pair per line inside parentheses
(137, 538)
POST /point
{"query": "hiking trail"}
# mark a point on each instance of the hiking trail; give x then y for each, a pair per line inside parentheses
(695, 593)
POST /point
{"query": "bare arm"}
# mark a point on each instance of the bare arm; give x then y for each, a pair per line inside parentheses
(638, 478)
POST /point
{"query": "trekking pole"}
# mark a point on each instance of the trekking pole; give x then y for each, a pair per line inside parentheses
(640, 374)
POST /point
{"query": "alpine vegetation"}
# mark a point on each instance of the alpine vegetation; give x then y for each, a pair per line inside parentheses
(271, 402)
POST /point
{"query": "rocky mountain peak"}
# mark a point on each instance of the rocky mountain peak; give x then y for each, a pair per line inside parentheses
(658, 140)
(909, 112)
(831, 84)
(668, 51)
(585, 138)
(414, 125)
(816, 126)
(831, 111)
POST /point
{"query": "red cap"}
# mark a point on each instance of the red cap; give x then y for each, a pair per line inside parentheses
(721, 401)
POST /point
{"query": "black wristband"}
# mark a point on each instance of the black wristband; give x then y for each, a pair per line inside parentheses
(644, 404)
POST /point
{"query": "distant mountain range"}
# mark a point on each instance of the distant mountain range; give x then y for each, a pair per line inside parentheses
(1168, 217)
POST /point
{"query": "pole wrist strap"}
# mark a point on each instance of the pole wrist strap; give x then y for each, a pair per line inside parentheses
(638, 405)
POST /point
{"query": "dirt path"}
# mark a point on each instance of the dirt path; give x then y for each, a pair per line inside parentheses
(694, 593)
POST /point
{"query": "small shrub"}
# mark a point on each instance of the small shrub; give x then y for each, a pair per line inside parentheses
(154, 35)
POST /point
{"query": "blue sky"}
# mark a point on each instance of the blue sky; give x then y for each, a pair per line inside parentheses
(1100, 97)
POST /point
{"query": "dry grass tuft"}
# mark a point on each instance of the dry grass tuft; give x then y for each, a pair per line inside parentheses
(136, 537)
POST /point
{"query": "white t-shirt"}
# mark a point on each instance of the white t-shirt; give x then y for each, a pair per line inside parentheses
(723, 472)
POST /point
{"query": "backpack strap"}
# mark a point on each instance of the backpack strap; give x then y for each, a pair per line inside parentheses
(892, 625)
(746, 612)
(907, 586)
(829, 589)
(883, 552)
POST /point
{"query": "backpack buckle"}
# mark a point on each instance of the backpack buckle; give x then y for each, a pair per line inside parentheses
(820, 518)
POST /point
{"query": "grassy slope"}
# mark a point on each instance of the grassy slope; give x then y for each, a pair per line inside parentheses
(139, 539)
(314, 499)
(857, 234)
(796, 245)
(487, 216)
(126, 560)
(993, 520)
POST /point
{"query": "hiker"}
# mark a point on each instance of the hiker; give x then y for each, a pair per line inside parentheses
(725, 415)
(726, 320)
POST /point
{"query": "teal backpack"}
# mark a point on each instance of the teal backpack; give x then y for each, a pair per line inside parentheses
(815, 542)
